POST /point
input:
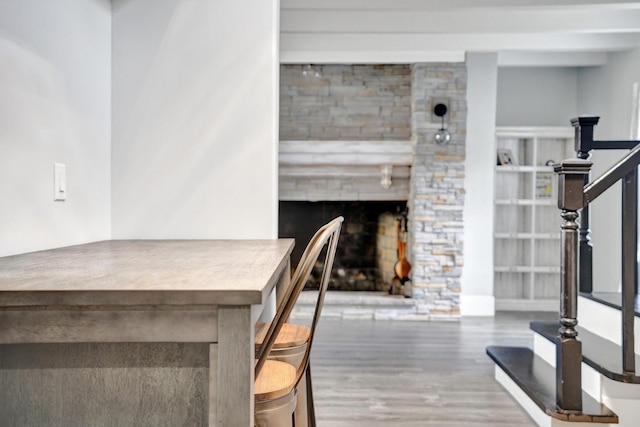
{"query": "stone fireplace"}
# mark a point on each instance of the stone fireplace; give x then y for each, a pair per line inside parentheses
(343, 129)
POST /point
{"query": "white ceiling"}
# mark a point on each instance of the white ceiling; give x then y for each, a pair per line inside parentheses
(523, 32)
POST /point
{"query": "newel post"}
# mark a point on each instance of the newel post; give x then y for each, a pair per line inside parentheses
(571, 174)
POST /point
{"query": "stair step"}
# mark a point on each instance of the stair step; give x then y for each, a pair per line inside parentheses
(611, 299)
(602, 355)
(600, 314)
(537, 379)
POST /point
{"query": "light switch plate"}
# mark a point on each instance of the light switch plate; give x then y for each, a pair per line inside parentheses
(59, 182)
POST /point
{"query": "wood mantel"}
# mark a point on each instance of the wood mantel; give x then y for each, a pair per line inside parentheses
(358, 153)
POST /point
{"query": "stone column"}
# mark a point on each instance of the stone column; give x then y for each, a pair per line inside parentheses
(437, 188)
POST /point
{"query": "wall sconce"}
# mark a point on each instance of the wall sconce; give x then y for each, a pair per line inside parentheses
(442, 136)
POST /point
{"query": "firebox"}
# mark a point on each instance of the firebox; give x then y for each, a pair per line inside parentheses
(367, 249)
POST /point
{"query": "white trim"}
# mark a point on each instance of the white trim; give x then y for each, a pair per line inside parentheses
(544, 349)
(539, 417)
(535, 131)
(622, 399)
(592, 383)
(599, 319)
(368, 57)
(477, 305)
(551, 59)
(604, 321)
(527, 304)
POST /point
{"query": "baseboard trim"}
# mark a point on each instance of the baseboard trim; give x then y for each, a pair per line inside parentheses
(477, 305)
(527, 305)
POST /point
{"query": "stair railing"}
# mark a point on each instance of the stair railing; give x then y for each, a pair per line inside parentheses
(573, 196)
(627, 171)
(584, 143)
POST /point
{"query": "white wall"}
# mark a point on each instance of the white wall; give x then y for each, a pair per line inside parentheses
(607, 92)
(195, 104)
(477, 273)
(536, 96)
(54, 107)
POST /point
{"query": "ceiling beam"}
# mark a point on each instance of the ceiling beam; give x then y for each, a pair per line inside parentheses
(439, 5)
(453, 42)
(369, 56)
(458, 22)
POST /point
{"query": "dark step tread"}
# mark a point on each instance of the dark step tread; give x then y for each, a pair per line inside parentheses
(537, 379)
(602, 355)
(611, 299)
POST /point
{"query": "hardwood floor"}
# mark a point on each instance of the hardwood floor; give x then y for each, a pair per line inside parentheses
(413, 374)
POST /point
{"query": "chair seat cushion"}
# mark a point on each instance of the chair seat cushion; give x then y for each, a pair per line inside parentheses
(291, 335)
(276, 379)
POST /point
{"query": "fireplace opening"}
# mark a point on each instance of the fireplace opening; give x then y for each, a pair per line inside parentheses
(367, 250)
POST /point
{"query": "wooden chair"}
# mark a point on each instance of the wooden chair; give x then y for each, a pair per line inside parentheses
(291, 343)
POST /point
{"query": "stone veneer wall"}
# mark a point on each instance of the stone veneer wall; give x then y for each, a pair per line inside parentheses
(342, 188)
(437, 189)
(349, 102)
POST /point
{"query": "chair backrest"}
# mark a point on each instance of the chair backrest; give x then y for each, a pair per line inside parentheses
(328, 236)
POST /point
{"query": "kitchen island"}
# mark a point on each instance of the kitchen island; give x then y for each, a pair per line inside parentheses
(134, 332)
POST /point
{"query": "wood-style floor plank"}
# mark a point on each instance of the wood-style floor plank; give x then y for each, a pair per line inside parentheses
(369, 373)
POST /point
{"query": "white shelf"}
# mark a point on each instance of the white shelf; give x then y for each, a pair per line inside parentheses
(527, 221)
(535, 132)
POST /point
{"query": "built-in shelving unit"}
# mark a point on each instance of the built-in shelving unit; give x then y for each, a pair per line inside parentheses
(527, 220)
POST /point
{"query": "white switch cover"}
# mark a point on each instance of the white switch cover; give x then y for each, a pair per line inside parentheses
(59, 182)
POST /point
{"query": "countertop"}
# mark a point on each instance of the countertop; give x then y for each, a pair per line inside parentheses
(221, 272)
